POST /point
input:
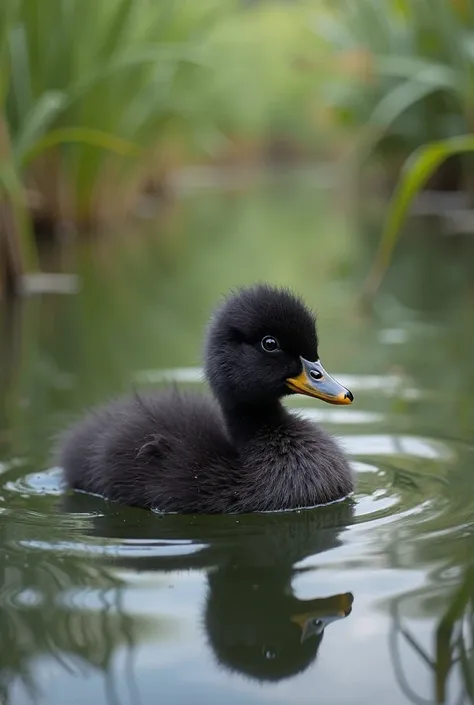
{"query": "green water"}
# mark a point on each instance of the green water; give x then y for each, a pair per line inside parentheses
(111, 605)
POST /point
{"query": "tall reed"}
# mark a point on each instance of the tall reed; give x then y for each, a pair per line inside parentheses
(419, 56)
(103, 95)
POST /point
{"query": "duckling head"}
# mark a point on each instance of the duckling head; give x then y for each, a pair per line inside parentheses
(262, 345)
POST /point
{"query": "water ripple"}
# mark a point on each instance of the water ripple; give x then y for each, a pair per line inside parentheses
(399, 476)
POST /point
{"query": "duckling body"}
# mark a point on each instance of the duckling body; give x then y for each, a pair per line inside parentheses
(240, 451)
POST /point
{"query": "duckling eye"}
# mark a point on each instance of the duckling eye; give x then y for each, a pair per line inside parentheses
(270, 344)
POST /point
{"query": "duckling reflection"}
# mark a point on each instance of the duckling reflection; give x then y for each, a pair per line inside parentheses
(254, 623)
(257, 626)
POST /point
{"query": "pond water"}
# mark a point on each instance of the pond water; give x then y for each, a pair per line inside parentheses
(365, 601)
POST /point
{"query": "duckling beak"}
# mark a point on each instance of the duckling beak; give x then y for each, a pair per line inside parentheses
(324, 611)
(314, 381)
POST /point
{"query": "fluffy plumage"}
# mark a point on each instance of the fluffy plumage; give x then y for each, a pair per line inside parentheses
(239, 452)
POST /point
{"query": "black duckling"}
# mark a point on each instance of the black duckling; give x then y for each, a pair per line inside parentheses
(243, 451)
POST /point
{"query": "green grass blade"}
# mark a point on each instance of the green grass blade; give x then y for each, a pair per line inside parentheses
(415, 67)
(44, 112)
(117, 27)
(146, 54)
(80, 135)
(20, 68)
(390, 108)
(12, 189)
(399, 100)
(418, 168)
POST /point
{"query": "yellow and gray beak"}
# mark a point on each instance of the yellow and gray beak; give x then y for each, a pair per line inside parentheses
(314, 381)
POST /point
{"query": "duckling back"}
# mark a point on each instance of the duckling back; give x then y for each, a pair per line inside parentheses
(166, 451)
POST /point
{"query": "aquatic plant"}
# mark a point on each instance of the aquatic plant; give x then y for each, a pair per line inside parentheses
(416, 172)
(103, 97)
(415, 62)
(408, 90)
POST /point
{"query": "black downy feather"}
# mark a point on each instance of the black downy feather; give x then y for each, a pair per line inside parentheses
(240, 451)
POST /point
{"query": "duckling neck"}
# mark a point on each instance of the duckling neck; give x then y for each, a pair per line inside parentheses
(247, 421)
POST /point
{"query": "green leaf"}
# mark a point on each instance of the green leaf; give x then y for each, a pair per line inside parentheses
(13, 191)
(44, 112)
(146, 54)
(398, 100)
(20, 68)
(418, 168)
(415, 67)
(81, 135)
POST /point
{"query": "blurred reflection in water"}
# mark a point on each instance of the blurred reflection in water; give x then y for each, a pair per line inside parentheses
(450, 656)
(254, 623)
(60, 607)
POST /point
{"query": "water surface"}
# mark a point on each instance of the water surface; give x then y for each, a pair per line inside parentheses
(365, 601)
